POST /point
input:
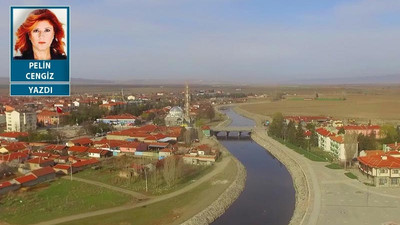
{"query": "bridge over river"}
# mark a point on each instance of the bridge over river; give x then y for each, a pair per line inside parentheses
(239, 130)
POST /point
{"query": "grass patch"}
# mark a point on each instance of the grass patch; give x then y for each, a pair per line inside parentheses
(174, 210)
(330, 99)
(334, 166)
(60, 198)
(156, 184)
(369, 184)
(314, 155)
(350, 175)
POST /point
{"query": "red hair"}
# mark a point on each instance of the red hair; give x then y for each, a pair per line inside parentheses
(22, 43)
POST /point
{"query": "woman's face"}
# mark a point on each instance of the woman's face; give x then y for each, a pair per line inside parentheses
(42, 35)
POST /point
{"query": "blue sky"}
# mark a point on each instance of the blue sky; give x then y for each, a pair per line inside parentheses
(244, 41)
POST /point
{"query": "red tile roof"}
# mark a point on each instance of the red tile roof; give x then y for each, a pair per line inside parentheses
(39, 160)
(26, 178)
(16, 146)
(43, 171)
(338, 139)
(62, 166)
(54, 148)
(360, 127)
(121, 117)
(378, 161)
(324, 132)
(14, 134)
(85, 162)
(82, 141)
(80, 149)
(5, 184)
(13, 156)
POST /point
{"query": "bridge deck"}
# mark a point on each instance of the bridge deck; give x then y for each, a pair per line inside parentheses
(232, 129)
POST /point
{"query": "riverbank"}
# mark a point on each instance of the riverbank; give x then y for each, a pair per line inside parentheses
(224, 201)
(299, 177)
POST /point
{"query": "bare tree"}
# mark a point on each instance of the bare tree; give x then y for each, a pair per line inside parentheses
(350, 146)
(169, 171)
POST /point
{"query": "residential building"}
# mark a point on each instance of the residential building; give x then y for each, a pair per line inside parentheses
(21, 120)
(384, 169)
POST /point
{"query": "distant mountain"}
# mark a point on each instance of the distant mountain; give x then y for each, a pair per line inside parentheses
(385, 79)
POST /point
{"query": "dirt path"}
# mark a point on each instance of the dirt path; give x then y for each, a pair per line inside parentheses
(219, 167)
(134, 194)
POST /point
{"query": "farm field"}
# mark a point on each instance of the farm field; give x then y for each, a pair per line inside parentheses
(57, 199)
(362, 107)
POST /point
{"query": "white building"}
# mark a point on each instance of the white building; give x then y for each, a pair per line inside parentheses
(21, 121)
(175, 117)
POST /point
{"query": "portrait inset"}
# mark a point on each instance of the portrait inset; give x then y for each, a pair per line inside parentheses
(40, 34)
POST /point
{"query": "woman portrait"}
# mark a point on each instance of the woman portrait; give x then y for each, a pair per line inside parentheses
(40, 37)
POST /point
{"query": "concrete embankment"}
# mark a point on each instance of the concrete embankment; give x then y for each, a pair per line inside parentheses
(297, 173)
(222, 203)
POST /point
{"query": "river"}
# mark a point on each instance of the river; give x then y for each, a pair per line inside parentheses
(269, 195)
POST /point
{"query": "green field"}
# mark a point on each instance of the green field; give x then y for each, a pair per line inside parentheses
(60, 198)
(171, 211)
(156, 184)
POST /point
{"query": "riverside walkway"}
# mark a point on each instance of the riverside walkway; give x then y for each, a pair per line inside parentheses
(328, 197)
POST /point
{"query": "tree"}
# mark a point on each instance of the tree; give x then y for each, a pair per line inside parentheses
(341, 131)
(169, 171)
(300, 136)
(291, 133)
(314, 135)
(389, 133)
(350, 146)
(210, 113)
(276, 127)
(366, 142)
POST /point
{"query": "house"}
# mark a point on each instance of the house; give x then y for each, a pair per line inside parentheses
(51, 118)
(59, 149)
(13, 147)
(123, 119)
(366, 130)
(201, 155)
(99, 153)
(27, 180)
(12, 136)
(37, 163)
(78, 150)
(20, 157)
(391, 147)
(129, 147)
(80, 142)
(206, 130)
(383, 169)
(8, 186)
(81, 165)
(156, 146)
(44, 174)
(64, 169)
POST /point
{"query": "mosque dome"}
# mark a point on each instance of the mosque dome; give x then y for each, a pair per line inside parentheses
(176, 111)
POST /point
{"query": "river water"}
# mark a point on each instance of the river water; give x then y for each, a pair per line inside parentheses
(269, 195)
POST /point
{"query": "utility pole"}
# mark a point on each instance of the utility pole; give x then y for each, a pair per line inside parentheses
(70, 166)
(145, 174)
